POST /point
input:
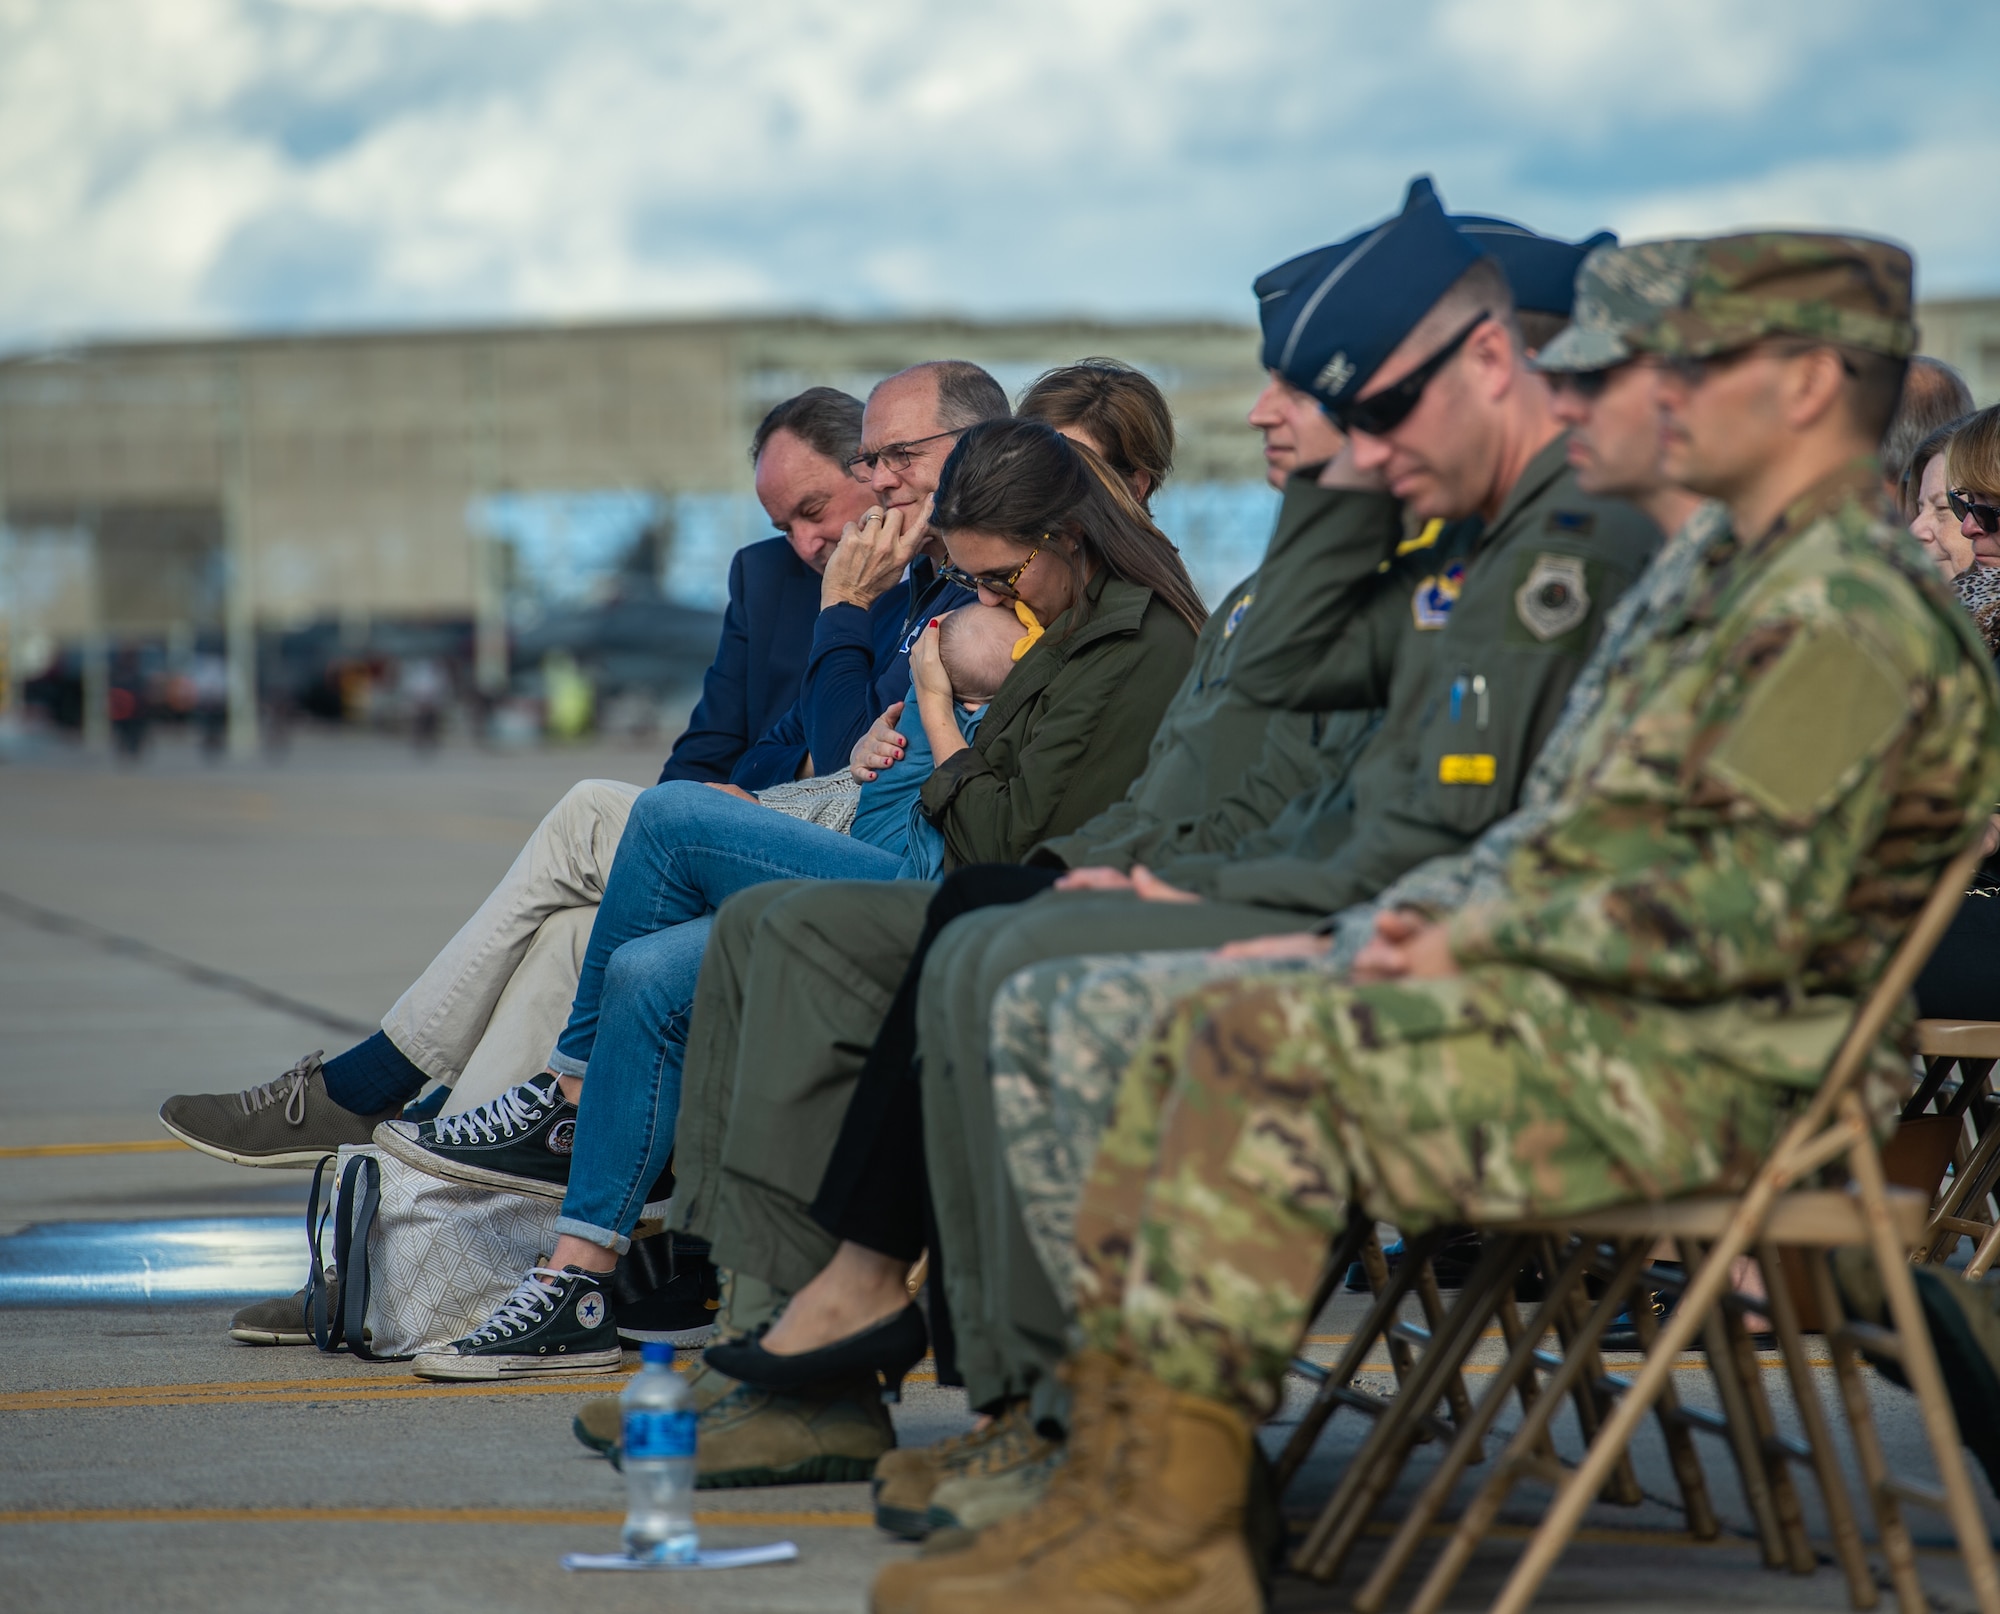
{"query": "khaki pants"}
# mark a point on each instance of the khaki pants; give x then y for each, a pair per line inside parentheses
(486, 1013)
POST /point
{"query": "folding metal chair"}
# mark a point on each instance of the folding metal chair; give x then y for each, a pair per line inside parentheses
(1383, 1324)
(1714, 1229)
(1970, 1048)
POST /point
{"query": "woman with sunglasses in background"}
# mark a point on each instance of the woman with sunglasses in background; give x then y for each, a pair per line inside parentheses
(1972, 481)
(1962, 979)
(1029, 520)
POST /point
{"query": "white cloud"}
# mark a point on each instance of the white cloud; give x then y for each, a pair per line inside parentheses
(276, 161)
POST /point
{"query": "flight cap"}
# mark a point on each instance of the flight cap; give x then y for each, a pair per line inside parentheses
(1619, 290)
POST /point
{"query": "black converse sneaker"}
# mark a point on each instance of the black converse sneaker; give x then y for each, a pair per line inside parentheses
(520, 1141)
(553, 1322)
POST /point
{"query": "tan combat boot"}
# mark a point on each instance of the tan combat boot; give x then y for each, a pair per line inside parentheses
(836, 1431)
(1165, 1535)
(907, 1479)
(599, 1423)
(1092, 1377)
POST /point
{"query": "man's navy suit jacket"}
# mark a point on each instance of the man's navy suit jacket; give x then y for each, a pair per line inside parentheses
(767, 634)
(789, 678)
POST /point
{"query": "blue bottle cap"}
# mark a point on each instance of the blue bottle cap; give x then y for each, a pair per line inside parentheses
(656, 1353)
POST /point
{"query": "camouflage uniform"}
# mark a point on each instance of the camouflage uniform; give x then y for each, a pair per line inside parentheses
(1765, 795)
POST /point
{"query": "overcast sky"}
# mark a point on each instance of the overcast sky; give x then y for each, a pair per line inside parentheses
(203, 165)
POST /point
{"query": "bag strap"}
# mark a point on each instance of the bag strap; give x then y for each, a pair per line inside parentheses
(350, 1249)
(320, 1319)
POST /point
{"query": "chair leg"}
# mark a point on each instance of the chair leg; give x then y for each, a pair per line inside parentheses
(1897, 1552)
(1519, 1456)
(1936, 1068)
(1432, 1304)
(1336, 1390)
(1982, 1258)
(1621, 1489)
(1518, 1369)
(1703, 1524)
(1703, 1292)
(1528, 1389)
(1920, 1367)
(1799, 1555)
(1968, 1186)
(1848, 1547)
(1360, 1230)
(1725, 1367)
(1375, 1467)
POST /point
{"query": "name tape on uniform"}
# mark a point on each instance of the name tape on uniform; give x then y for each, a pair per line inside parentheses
(1476, 768)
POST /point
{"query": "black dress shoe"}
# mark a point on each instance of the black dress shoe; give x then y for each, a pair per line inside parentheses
(889, 1349)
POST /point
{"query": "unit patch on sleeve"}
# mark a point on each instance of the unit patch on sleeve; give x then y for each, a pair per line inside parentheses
(1555, 598)
(1430, 605)
(1235, 618)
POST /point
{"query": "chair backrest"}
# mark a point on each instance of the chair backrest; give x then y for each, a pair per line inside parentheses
(1911, 954)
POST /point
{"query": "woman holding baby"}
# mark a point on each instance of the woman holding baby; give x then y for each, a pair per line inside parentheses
(1097, 621)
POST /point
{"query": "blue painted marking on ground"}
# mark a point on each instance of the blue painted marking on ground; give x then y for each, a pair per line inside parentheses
(142, 1263)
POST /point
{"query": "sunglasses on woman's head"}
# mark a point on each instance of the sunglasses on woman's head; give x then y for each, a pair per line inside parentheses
(1382, 412)
(1986, 516)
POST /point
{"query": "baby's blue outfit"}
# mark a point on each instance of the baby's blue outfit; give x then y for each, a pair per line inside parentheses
(889, 814)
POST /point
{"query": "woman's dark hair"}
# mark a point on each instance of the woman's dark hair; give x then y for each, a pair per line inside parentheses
(1022, 479)
(825, 419)
(1122, 411)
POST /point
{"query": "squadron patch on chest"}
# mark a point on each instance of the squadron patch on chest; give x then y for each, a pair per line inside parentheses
(1555, 598)
(1236, 613)
(1431, 603)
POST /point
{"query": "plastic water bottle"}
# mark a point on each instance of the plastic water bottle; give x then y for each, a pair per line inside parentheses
(659, 1435)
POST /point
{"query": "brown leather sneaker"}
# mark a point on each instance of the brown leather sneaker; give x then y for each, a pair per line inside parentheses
(287, 1122)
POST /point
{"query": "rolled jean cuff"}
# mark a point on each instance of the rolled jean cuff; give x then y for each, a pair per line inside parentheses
(603, 1237)
(567, 1064)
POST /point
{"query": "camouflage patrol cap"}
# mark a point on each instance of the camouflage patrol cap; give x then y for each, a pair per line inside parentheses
(1618, 290)
(1836, 288)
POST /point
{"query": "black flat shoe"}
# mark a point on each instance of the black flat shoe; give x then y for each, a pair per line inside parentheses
(889, 1350)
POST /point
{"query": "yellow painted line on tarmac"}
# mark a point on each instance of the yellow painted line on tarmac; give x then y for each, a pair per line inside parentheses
(38, 1151)
(298, 1392)
(722, 1518)
(98, 1397)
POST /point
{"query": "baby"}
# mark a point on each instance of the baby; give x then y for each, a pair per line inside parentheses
(976, 646)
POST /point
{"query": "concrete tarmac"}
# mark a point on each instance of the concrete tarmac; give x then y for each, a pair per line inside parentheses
(180, 926)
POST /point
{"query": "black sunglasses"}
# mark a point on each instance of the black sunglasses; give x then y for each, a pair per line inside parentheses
(1987, 516)
(1588, 385)
(1382, 412)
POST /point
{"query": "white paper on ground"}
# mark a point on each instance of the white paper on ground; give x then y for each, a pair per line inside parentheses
(775, 1552)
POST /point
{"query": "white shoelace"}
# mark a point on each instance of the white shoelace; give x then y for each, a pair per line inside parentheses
(532, 1300)
(513, 1111)
(288, 1090)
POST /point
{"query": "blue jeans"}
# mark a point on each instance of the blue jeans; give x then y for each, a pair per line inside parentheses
(686, 848)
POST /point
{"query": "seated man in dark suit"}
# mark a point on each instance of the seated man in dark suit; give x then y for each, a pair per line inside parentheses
(800, 451)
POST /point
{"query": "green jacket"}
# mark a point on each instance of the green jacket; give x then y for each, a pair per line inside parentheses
(1219, 764)
(1068, 731)
(1472, 662)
